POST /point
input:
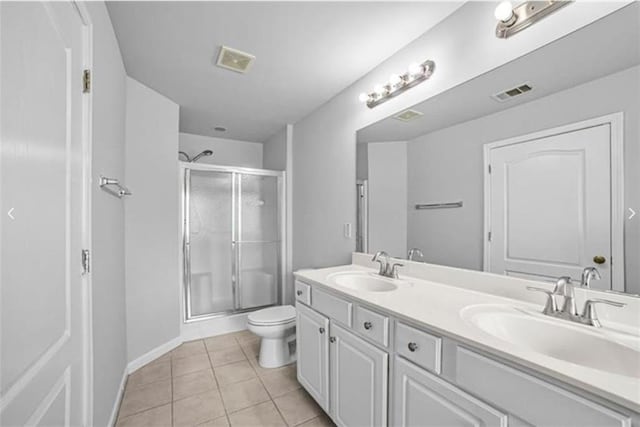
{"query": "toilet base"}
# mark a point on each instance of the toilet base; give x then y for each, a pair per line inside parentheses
(277, 352)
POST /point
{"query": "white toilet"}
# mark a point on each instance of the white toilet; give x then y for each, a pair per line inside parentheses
(276, 326)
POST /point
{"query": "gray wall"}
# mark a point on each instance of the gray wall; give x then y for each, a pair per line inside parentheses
(226, 152)
(151, 220)
(107, 216)
(362, 161)
(324, 153)
(275, 151)
(388, 197)
(448, 165)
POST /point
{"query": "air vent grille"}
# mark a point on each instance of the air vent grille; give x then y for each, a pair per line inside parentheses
(235, 60)
(511, 93)
(407, 115)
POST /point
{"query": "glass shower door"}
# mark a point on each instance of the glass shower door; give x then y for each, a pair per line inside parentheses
(209, 227)
(259, 241)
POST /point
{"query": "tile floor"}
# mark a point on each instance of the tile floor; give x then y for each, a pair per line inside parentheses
(217, 382)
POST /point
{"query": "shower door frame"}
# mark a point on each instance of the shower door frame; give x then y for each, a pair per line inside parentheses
(236, 229)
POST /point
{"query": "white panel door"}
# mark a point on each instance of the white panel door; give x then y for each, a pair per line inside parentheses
(312, 334)
(359, 373)
(550, 206)
(41, 375)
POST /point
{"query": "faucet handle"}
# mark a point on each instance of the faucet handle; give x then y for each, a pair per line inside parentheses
(551, 306)
(589, 274)
(393, 271)
(589, 314)
(383, 262)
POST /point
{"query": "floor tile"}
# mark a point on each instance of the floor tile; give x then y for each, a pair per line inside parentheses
(297, 407)
(282, 381)
(234, 373)
(156, 417)
(193, 383)
(319, 421)
(189, 349)
(265, 371)
(145, 397)
(152, 372)
(198, 409)
(187, 365)
(218, 422)
(263, 415)
(251, 348)
(226, 356)
(220, 342)
(245, 336)
(242, 395)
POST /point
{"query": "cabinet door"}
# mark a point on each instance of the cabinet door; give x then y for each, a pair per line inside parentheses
(358, 380)
(423, 399)
(312, 333)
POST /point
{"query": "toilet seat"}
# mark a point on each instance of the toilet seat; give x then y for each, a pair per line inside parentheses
(278, 315)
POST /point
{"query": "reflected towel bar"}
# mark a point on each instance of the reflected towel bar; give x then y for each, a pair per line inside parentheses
(120, 191)
(439, 205)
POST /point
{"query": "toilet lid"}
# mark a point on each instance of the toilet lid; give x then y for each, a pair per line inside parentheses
(273, 315)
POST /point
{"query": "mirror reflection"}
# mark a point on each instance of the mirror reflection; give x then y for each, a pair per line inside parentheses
(529, 170)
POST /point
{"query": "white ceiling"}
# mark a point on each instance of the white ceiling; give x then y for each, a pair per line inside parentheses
(306, 52)
(608, 45)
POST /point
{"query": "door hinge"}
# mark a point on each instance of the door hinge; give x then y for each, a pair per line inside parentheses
(489, 168)
(86, 81)
(489, 236)
(86, 261)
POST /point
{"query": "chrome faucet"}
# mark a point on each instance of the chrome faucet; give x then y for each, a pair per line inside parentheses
(387, 268)
(415, 252)
(569, 311)
(588, 274)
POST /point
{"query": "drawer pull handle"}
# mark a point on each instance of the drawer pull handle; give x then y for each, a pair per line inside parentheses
(412, 346)
(298, 292)
(368, 325)
(321, 330)
(332, 339)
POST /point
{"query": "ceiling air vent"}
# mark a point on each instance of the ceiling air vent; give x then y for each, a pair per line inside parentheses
(407, 115)
(235, 60)
(511, 93)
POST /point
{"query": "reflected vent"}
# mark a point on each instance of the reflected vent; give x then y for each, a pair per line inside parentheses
(512, 93)
(407, 115)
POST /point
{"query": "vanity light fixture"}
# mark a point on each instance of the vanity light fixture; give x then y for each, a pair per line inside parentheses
(416, 74)
(513, 20)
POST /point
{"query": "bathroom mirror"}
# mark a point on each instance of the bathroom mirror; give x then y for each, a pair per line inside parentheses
(530, 170)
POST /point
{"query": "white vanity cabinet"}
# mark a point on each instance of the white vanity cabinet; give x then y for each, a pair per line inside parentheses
(312, 335)
(358, 380)
(421, 399)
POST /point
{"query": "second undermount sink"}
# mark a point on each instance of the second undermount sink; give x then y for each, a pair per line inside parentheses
(362, 281)
(559, 339)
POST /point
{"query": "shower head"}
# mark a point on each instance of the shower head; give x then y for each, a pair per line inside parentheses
(204, 153)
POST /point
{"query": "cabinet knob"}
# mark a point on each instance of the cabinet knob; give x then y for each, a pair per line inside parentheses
(321, 330)
(332, 339)
(298, 292)
(412, 346)
(368, 325)
(599, 259)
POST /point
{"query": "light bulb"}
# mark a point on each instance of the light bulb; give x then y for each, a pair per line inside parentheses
(363, 97)
(415, 69)
(394, 79)
(379, 89)
(504, 11)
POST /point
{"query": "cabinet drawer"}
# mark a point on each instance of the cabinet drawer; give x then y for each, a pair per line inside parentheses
(418, 346)
(303, 292)
(332, 306)
(371, 325)
(545, 403)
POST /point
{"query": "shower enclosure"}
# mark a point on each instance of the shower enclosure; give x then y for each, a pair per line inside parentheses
(233, 245)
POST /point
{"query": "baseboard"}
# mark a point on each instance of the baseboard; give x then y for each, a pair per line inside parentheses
(116, 404)
(153, 354)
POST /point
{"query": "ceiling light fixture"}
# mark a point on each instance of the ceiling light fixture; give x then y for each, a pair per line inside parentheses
(220, 129)
(416, 74)
(513, 20)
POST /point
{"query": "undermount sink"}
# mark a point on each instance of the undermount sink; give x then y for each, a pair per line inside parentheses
(361, 281)
(556, 338)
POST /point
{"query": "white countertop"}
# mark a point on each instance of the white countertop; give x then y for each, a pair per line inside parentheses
(437, 306)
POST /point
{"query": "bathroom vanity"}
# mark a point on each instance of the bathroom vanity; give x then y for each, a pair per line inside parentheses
(443, 346)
